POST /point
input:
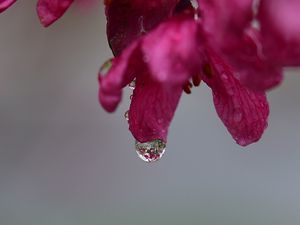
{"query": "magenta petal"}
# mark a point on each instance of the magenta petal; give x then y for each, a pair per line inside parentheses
(120, 74)
(225, 20)
(173, 50)
(280, 27)
(242, 111)
(128, 20)
(51, 10)
(251, 65)
(261, 77)
(152, 109)
(228, 25)
(4, 4)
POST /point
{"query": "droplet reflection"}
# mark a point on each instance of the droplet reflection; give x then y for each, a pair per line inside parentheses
(150, 151)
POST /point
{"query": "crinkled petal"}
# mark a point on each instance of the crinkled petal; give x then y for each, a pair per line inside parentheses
(250, 63)
(227, 24)
(121, 73)
(51, 10)
(4, 4)
(173, 50)
(225, 20)
(280, 27)
(152, 109)
(242, 111)
(128, 20)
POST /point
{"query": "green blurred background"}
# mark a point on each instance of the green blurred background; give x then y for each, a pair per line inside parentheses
(64, 161)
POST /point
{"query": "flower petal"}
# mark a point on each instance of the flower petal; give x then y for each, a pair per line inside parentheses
(173, 50)
(120, 74)
(228, 25)
(4, 4)
(51, 10)
(225, 20)
(280, 27)
(250, 64)
(152, 109)
(242, 111)
(128, 20)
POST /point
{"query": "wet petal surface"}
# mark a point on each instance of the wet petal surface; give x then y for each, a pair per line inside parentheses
(242, 111)
(152, 108)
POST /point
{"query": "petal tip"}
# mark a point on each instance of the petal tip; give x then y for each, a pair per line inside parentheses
(6, 4)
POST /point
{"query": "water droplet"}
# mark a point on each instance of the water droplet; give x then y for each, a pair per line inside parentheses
(142, 27)
(150, 151)
(132, 85)
(105, 67)
(126, 115)
(224, 76)
(242, 141)
(238, 116)
(160, 121)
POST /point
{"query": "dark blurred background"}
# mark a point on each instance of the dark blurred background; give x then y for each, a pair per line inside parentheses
(64, 161)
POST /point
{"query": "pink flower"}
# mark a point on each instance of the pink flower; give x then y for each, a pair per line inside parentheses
(162, 62)
(48, 10)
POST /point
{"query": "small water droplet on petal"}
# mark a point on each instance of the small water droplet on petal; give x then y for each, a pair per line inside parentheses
(224, 76)
(160, 121)
(238, 116)
(126, 115)
(242, 142)
(132, 85)
(150, 151)
(105, 67)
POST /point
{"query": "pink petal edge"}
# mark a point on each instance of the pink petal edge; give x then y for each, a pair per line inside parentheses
(51, 10)
(5, 4)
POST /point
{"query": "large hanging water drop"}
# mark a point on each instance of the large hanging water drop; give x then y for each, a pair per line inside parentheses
(150, 151)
